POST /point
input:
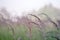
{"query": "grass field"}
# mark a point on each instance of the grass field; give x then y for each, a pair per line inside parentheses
(22, 33)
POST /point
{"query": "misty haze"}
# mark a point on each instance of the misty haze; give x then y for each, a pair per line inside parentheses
(29, 19)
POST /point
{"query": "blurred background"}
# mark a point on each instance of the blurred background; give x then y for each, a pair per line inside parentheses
(29, 19)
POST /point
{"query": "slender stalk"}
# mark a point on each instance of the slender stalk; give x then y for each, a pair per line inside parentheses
(50, 20)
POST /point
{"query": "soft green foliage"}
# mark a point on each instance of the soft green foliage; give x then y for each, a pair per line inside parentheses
(22, 32)
(51, 34)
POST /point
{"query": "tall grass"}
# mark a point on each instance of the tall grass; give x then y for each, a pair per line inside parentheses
(25, 31)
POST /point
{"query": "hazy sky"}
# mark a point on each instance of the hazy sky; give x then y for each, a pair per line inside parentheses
(19, 6)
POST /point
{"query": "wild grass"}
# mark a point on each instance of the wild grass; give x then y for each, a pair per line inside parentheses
(25, 31)
(21, 32)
